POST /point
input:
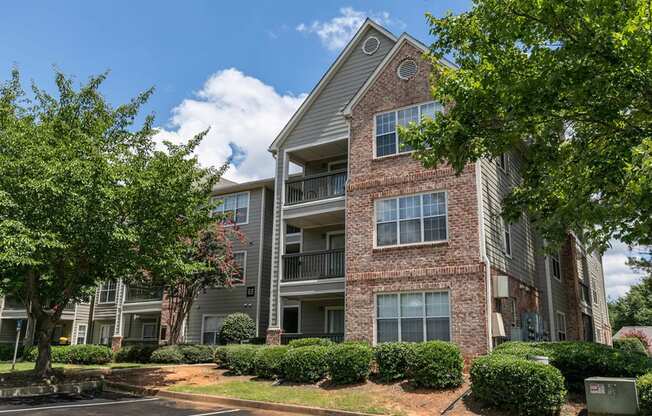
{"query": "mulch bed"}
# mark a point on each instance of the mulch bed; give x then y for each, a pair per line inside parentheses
(28, 378)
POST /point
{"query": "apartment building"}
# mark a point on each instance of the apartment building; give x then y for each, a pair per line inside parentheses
(369, 245)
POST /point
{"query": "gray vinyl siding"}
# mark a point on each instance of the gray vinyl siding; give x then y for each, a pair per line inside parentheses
(277, 232)
(315, 239)
(266, 264)
(322, 121)
(224, 301)
(497, 184)
(600, 309)
(82, 315)
(313, 314)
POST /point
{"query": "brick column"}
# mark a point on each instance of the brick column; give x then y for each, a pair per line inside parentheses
(570, 281)
(116, 343)
(274, 336)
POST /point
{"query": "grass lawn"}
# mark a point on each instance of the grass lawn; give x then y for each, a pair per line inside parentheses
(5, 366)
(340, 399)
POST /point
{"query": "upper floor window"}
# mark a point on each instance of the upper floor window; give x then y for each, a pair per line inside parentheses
(555, 266)
(387, 140)
(561, 326)
(503, 162)
(411, 219)
(107, 292)
(291, 229)
(235, 207)
(507, 238)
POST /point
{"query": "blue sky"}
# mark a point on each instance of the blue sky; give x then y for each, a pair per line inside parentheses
(240, 68)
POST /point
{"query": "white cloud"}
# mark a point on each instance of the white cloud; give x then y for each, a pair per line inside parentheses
(618, 276)
(335, 33)
(244, 116)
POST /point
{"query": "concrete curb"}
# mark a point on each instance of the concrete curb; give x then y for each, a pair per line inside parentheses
(46, 389)
(232, 402)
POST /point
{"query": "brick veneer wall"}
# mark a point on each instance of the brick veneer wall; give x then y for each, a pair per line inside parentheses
(570, 279)
(454, 265)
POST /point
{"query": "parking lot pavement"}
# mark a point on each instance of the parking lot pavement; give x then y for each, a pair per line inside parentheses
(110, 404)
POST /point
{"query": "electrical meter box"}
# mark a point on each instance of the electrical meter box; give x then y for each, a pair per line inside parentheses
(610, 395)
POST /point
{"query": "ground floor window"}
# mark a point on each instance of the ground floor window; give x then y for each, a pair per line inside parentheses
(413, 317)
(335, 320)
(211, 329)
(149, 330)
(561, 326)
(106, 334)
(81, 334)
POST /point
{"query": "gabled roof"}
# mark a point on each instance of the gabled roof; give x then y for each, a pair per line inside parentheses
(227, 187)
(325, 79)
(404, 38)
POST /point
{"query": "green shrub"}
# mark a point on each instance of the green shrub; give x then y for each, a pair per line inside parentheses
(391, 359)
(195, 354)
(305, 364)
(268, 361)
(236, 328)
(242, 359)
(435, 364)
(630, 344)
(349, 363)
(134, 354)
(84, 354)
(521, 349)
(7, 352)
(221, 355)
(644, 387)
(167, 355)
(310, 342)
(518, 385)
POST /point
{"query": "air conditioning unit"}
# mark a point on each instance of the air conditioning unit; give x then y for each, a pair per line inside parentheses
(501, 286)
(497, 325)
(610, 395)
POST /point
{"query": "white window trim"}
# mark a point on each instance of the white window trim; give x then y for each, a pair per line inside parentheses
(299, 308)
(83, 335)
(328, 237)
(552, 269)
(203, 322)
(396, 110)
(450, 312)
(142, 334)
(563, 315)
(244, 268)
(419, 244)
(507, 229)
(110, 332)
(115, 297)
(216, 197)
(326, 310)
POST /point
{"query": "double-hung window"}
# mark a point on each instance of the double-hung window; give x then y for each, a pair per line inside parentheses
(555, 266)
(561, 326)
(411, 219)
(507, 238)
(413, 317)
(235, 207)
(211, 329)
(387, 140)
(149, 330)
(107, 292)
(81, 334)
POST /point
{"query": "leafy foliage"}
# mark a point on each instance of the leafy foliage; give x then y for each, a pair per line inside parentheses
(635, 308)
(268, 361)
(310, 342)
(435, 364)
(305, 364)
(134, 354)
(237, 327)
(349, 363)
(562, 85)
(75, 354)
(391, 359)
(242, 359)
(170, 354)
(630, 344)
(644, 387)
(519, 385)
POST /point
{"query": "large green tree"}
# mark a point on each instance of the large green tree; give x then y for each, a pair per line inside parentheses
(566, 86)
(86, 197)
(635, 307)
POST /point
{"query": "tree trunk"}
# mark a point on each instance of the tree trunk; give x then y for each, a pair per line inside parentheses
(43, 367)
(179, 309)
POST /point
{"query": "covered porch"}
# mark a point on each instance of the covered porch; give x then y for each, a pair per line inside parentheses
(141, 328)
(315, 316)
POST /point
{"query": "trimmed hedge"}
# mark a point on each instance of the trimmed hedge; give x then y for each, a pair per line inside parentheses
(518, 385)
(167, 355)
(195, 354)
(75, 354)
(268, 361)
(435, 364)
(134, 354)
(521, 349)
(630, 344)
(237, 327)
(391, 359)
(310, 342)
(644, 387)
(242, 359)
(305, 364)
(7, 352)
(221, 355)
(349, 363)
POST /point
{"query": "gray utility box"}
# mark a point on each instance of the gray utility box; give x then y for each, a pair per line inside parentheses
(611, 396)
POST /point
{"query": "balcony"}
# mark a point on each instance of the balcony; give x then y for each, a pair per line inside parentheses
(143, 294)
(315, 187)
(325, 264)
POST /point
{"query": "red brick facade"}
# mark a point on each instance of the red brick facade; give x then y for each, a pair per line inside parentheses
(454, 265)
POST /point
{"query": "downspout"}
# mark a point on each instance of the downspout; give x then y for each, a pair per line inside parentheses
(483, 253)
(551, 315)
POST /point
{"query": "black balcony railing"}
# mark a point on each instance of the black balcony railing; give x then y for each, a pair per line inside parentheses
(337, 338)
(144, 294)
(313, 265)
(315, 187)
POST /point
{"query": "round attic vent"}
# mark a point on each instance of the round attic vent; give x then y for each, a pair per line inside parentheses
(407, 69)
(370, 45)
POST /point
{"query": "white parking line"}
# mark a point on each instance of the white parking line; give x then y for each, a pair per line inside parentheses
(219, 412)
(32, 409)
